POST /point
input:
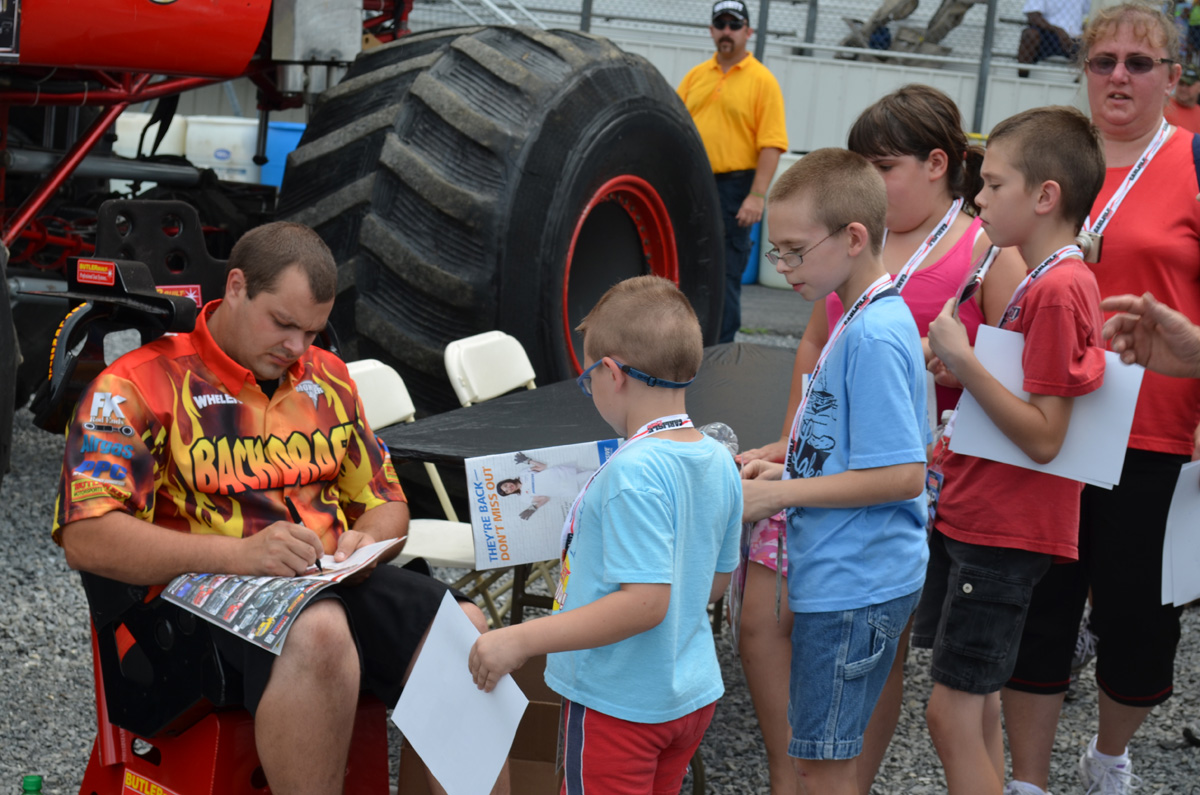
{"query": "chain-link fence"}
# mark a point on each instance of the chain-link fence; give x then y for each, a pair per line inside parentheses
(1043, 32)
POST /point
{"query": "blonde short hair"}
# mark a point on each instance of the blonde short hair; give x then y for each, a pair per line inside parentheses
(1149, 24)
(645, 322)
(845, 188)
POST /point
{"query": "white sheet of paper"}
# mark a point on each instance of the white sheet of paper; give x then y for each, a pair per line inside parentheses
(1181, 552)
(461, 733)
(1168, 567)
(1094, 448)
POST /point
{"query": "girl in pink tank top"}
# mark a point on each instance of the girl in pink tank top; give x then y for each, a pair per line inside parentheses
(914, 138)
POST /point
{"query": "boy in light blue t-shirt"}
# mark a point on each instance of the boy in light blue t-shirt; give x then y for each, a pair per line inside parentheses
(854, 475)
(650, 542)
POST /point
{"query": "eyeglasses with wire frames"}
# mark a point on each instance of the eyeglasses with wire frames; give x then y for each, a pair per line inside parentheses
(732, 24)
(1104, 65)
(794, 259)
(585, 378)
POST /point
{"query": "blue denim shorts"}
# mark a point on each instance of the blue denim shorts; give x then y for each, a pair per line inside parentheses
(972, 613)
(840, 662)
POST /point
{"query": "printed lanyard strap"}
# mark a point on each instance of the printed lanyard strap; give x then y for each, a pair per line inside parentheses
(922, 252)
(672, 422)
(880, 286)
(1131, 179)
(1049, 262)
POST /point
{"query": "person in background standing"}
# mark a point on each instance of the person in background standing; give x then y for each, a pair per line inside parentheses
(1182, 110)
(737, 106)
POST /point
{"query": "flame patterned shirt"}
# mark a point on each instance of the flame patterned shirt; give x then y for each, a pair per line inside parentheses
(178, 434)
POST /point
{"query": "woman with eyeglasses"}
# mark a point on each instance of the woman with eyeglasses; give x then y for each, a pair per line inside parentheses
(1149, 217)
(914, 137)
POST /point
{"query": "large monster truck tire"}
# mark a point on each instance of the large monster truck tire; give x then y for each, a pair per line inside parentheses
(8, 368)
(483, 178)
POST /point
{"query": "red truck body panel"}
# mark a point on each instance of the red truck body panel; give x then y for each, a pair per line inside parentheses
(212, 38)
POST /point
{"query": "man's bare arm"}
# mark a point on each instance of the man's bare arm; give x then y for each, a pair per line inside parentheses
(131, 550)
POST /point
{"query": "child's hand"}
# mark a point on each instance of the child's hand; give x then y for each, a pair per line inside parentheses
(758, 500)
(948, 337)
(762, 469)
(495, 654)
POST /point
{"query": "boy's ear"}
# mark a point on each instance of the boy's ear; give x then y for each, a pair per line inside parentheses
(610, 366)
(1049, 197)
(858, 237)
(937, 163)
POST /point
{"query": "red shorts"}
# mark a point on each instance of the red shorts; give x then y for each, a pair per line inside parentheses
(603, 754)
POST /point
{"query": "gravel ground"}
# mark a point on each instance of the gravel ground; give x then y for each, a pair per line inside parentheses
(47, 712)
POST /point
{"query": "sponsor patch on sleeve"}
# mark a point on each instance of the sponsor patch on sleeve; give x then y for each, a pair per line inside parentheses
(87, 489)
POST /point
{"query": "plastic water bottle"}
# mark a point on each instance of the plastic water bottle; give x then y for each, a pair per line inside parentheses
(723, 434)
(31, 785)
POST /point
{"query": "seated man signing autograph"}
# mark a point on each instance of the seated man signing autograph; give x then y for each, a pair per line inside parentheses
(180, 458)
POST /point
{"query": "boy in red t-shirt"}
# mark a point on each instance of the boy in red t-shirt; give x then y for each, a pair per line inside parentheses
(999, 527)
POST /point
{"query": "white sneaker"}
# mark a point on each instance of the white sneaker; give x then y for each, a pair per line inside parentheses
(1106, 778)
(1023, 788)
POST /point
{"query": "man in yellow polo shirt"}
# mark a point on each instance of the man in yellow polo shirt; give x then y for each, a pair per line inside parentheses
(738, 108)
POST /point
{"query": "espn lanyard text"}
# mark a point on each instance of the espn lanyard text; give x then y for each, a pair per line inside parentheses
(878, 287)
(1131, 179)
(673, 422)
(923, 250)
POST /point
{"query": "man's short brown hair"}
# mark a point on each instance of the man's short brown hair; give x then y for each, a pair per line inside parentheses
(266, 251)
(844, 188)
(1075, 159)
(647, 323)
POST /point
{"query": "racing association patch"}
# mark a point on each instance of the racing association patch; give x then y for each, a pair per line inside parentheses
(311, 389)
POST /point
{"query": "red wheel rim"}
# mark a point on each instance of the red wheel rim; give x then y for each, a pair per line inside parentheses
(650, 231)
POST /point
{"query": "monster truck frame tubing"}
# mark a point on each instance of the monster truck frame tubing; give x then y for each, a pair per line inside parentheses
(54, 180)
(129, 88)
(646, 209)
(120, 92)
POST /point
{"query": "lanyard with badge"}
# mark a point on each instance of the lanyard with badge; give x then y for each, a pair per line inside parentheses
(1092, 236)
(933, 473)
(923, 250)
(673, 422)
(878, 289)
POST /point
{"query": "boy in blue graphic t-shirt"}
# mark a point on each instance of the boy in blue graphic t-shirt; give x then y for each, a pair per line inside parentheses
(854, 475)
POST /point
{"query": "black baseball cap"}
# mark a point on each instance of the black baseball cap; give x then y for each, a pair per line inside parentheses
(732, 8)
(1190, 75)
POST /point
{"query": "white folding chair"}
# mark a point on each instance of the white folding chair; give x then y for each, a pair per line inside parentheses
(483, 367)
(448, 542)
(487, 365)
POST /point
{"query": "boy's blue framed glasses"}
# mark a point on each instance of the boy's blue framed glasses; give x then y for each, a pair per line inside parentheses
(585, 378)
